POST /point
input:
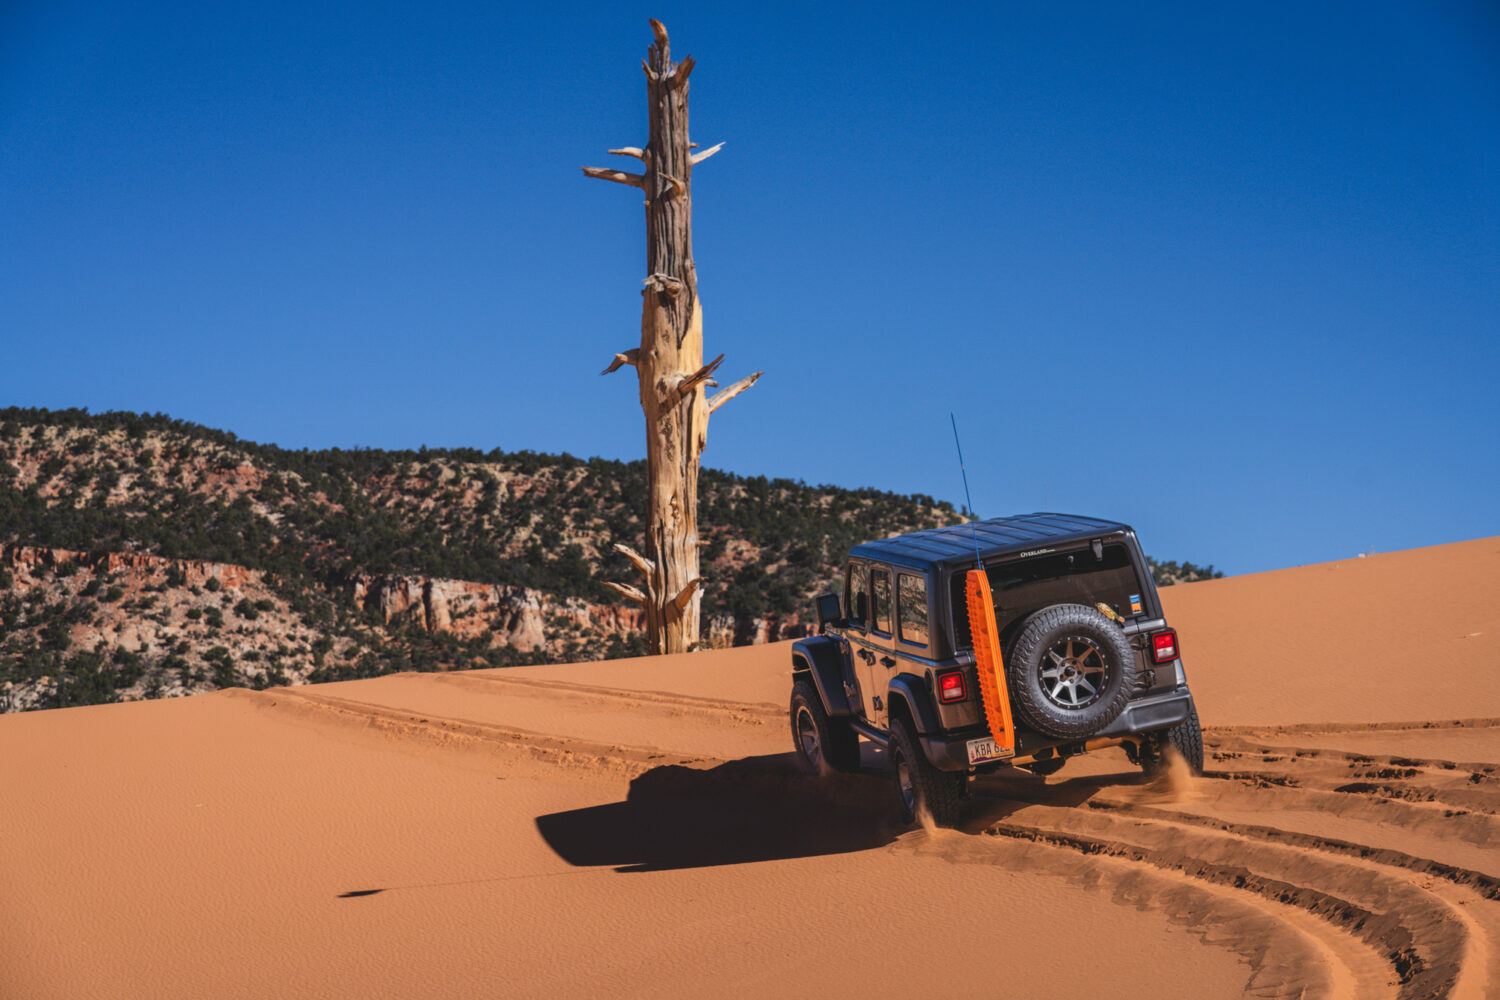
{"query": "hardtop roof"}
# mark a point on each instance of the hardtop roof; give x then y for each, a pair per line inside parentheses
(997, 536)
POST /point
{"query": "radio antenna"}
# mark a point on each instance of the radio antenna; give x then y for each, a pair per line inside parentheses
(967, 498)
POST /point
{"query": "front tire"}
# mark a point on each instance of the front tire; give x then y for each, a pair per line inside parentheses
(822, 744)
(919, 785)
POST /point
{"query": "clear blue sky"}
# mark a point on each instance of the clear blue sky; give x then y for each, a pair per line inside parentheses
(1230, 272)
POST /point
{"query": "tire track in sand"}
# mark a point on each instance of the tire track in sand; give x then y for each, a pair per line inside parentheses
(426, 729)
(1463, 895)
(1447, 784)
(1420, 937)
(744, 713)
(1374, 918)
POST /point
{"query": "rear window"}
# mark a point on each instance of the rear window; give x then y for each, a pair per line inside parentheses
(1026, 585)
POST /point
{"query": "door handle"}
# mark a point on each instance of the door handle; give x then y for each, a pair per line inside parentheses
(886, 661)
(867, 656)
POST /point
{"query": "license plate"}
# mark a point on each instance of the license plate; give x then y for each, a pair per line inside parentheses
(983, 751)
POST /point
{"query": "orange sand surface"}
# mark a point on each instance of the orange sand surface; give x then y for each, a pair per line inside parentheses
(636, 828)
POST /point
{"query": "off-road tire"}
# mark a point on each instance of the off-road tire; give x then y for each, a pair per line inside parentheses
(919, 785)
(1106, 667)
(834, 742)
(1186, 737)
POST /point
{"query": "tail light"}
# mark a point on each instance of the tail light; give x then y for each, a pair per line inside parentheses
(1164, 646)
(951, 687)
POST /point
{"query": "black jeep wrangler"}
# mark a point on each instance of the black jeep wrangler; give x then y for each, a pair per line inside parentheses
(1089, 660)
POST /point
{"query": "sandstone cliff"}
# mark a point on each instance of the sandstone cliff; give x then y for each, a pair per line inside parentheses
(193, 624)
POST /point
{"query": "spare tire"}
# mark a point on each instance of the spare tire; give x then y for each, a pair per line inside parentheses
(1070, 671)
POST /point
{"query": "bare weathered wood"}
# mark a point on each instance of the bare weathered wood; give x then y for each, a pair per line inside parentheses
(678, 189)
(621, 359)
(618, 176)
(718, 399)
(682, 600)
(640, 562)
(698, 158)
(664, 284)
(628, 592)
(669, 363)
(678, 385)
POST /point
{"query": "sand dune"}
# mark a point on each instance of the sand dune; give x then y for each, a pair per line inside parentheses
(636, 829)
(1411, 635)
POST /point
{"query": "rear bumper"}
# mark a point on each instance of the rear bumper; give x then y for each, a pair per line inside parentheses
(950, 751)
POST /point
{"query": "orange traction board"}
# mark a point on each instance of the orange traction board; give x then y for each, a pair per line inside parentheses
(993, 693)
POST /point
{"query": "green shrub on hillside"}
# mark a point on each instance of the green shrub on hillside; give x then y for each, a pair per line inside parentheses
(1168, 573)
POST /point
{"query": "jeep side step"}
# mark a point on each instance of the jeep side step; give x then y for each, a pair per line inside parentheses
(869, 732)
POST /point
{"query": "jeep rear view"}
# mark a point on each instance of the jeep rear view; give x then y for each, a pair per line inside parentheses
(1016, 641)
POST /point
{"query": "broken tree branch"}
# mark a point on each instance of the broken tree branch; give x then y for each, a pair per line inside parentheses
(685, 596)
(660, 31)
(718, 399)
(640, 562)
(680, 384)
(678, 188)
(639, 154)
(623, 358)
(664, 284)
(626, 591)
(698, 158)
(683, 69)
(618, 176)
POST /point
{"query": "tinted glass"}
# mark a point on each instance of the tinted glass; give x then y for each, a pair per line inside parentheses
(911, 607)
(856, 596)
(882, 590)
(1026, 585)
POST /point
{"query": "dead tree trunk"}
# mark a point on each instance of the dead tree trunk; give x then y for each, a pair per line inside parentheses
(669, 361)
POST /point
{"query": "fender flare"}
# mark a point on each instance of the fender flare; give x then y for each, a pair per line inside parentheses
(913, 690)
(821, 657)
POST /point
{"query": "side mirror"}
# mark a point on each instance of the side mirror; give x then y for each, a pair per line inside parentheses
(828, 609)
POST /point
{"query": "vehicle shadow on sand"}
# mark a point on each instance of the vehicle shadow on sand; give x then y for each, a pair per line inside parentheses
(752, 809)
(764, 809)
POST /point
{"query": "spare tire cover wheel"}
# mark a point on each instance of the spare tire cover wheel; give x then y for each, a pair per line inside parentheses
(1070, 671)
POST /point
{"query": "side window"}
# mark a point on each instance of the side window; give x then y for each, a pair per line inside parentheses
(881, 588)
(856, 596)
(911, 606)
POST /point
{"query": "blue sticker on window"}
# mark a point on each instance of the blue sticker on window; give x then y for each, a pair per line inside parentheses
(1135, 602)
